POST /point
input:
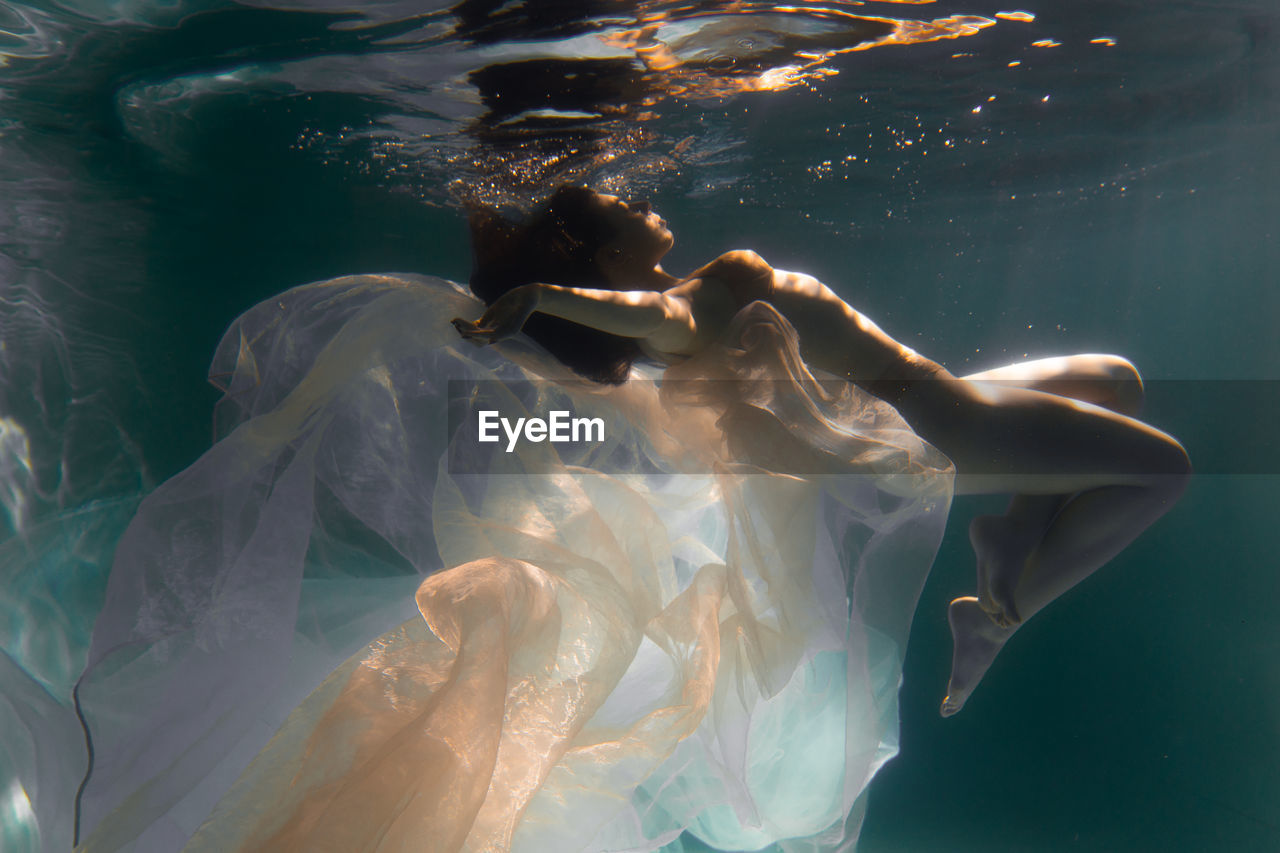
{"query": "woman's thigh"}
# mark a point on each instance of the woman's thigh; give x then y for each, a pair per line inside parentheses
(1006, 438)
(1110, 381)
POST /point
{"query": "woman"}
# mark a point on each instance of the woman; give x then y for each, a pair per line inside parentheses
(575, 647)
(1058, 433)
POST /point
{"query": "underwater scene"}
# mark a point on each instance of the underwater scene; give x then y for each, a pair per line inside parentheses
(269, 579)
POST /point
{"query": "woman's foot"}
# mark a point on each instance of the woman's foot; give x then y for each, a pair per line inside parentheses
(976, 640)
(1001, 555)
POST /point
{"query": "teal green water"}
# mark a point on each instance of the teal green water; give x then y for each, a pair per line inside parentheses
(1136, 210)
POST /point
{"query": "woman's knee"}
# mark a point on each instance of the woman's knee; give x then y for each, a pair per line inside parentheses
(1124, 384)
(1179, 465)
(1110, 381)
(1168, 469)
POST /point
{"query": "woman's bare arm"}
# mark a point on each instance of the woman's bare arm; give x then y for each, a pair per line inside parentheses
(661, 319)
(833, 336)
(664, 320)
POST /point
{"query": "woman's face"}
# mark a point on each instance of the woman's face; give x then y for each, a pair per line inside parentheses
(641, 235)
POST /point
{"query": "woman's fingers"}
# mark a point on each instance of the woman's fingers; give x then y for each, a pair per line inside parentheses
(473, 332)
(501, 320)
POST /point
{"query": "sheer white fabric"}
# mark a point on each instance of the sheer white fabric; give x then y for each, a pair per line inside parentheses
(695, 625)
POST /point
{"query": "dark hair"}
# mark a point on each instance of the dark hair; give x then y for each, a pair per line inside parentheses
(556, 245)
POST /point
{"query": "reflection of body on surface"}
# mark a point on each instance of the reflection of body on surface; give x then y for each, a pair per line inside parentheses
(1059, 434)
(575, 83)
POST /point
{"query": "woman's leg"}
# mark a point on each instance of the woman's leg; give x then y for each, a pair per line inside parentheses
(1118, 475)
(1001, 543)
(1109, 381)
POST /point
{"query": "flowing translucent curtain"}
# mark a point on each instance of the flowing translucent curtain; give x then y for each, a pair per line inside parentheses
(694, 625)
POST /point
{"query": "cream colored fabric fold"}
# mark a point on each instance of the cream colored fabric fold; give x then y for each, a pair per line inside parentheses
(695, 626)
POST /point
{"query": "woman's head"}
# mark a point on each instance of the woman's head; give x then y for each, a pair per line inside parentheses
(639, 240)
(578, 238)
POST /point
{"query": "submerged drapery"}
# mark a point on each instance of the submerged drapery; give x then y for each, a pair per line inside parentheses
(695, 625)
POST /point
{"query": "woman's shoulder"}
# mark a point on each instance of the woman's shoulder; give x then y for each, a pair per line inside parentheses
(736, 265)
(745, 276)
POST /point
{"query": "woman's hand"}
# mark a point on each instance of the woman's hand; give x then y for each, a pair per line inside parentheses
(504, 318)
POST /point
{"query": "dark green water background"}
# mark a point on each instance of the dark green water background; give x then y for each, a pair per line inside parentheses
(1135, 211)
